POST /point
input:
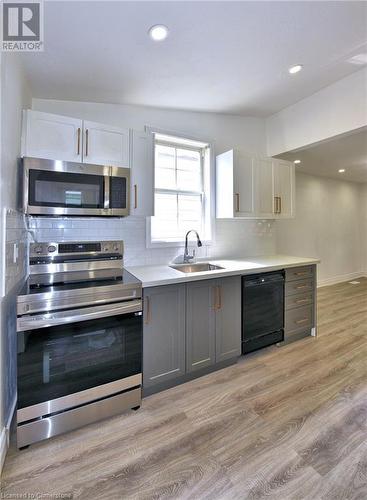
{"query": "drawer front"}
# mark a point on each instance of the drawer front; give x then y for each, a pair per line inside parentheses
(301, 299)
(299, 273)
(299, 318)
(301, 286)
(297, 335)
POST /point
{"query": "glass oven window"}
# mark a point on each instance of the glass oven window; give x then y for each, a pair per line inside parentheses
(64, 189)
(64, 359)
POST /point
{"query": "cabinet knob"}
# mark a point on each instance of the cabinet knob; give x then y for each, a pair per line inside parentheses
(237, 195)
(219, 297)
(78, 147)
(86, 142)
(217, 291)
(277, 204)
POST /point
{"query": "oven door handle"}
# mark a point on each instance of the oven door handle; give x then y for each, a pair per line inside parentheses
(28, 322)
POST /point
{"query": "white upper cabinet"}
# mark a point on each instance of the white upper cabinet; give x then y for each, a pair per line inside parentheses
(224, 186)
(264, 187)
(142, 173)
(284, 189)
(57, 137)
(234, 185)
(243, 182)
(105, 145)
(53, 137)
(253, 187)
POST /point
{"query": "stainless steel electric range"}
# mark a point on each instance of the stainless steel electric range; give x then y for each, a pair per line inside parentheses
(79, 330)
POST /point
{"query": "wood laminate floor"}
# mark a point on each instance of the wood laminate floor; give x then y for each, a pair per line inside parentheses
(287, 423)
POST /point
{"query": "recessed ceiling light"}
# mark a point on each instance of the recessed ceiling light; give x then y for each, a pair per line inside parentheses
(358, 59)
(297, 162)
(341, 170)
(158, 32)
(295, 69)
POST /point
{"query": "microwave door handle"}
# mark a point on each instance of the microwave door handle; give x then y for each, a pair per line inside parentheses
(107, 185)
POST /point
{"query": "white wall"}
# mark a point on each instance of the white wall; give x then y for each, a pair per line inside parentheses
(327, 226)
(15, 96)
(336, 109)
(223, 131)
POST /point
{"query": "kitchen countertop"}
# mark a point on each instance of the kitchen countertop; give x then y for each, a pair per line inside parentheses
(165, 275)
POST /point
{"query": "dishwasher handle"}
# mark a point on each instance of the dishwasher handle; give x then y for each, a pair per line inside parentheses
(264, 279)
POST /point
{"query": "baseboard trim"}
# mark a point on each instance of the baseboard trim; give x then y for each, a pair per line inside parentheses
(11, 414)
(340, 279)
(5, 435)
(3, 447)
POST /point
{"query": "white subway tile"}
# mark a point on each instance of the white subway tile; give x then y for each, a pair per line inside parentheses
(232, 237)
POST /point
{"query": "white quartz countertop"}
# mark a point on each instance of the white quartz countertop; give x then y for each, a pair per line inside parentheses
(165, 275)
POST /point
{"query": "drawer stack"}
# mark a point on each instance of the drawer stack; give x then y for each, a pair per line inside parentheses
(300, 302)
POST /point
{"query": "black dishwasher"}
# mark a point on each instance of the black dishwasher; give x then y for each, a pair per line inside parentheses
(262, 310)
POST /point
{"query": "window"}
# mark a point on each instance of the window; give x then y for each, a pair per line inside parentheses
(181, 189)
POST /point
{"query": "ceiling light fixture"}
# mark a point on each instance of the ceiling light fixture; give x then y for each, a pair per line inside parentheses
(158, 32)
(297, 162)
(359, 59)
(295, 69)
(341, 170)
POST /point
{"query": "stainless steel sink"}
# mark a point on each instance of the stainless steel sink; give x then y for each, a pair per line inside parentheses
(196, 268)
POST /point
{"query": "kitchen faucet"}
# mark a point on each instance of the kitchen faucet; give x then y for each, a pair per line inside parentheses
(187, 257)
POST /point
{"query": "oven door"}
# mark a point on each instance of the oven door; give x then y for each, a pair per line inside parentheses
(119, 191)
(69, 358)
(65, 188)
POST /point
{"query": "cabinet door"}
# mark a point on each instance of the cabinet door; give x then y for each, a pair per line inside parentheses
(142, 173)
(243, 177)
(105, 145)
(284, 188)
(200, 325)
(263, 187)
(228, 319)
(50, 136)
(224, 185)
(163, 334)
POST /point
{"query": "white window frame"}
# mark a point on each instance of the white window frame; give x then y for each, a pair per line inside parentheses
(208, 186)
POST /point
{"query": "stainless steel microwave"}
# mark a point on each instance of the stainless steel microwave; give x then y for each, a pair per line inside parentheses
(52, 187)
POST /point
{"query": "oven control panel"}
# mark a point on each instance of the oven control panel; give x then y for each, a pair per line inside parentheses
(92, 248)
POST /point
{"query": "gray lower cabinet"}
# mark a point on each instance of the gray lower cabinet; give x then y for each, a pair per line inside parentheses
(164, 334)
(300, 302)
(228, 319)
(190, 327)
(200, 324)
(213, 322)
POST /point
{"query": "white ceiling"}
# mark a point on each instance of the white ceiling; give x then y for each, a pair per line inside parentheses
(220, 56)
(347, 151)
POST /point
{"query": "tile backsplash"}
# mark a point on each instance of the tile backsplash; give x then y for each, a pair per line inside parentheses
(232, 238)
